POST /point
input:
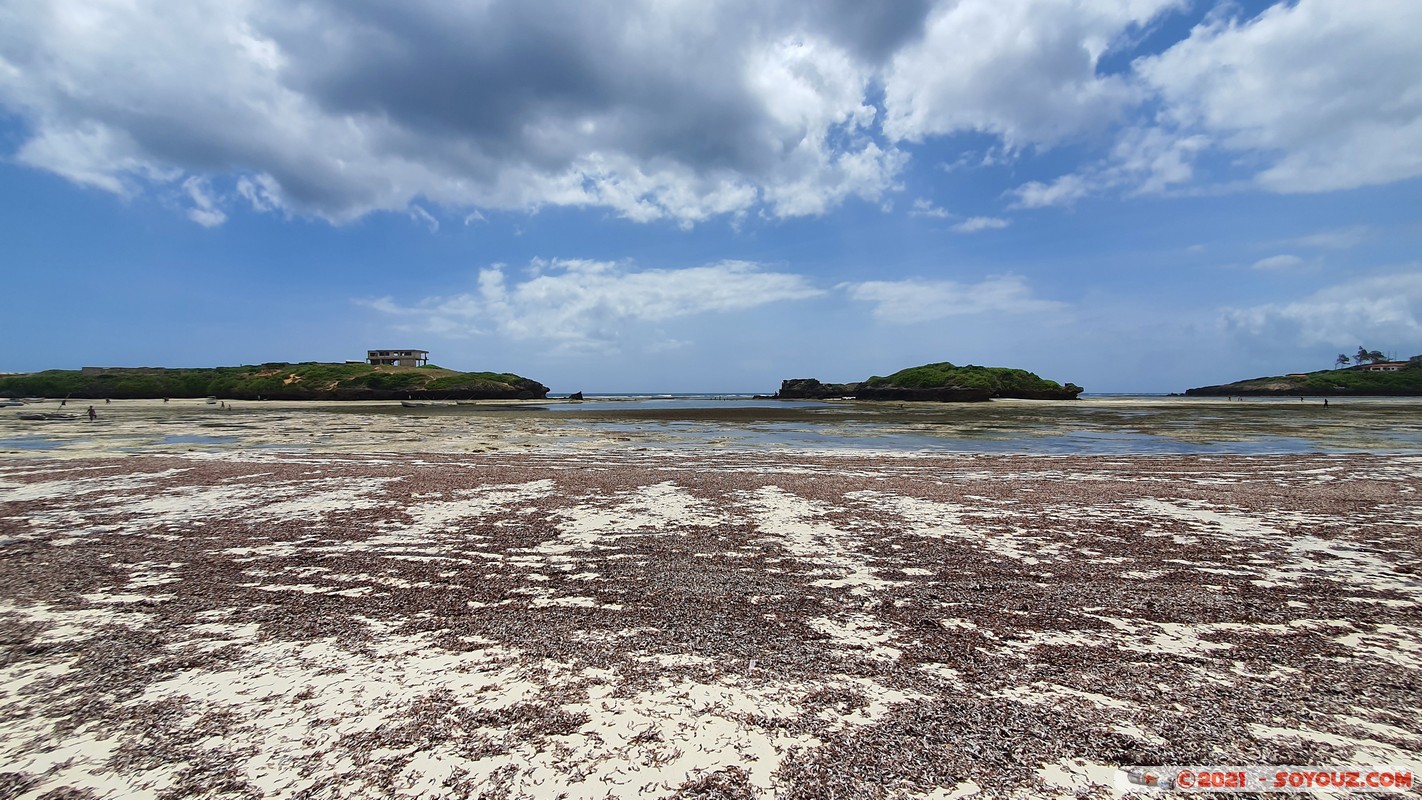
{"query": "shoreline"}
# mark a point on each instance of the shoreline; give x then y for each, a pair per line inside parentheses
(1095, 426)
(400, 623)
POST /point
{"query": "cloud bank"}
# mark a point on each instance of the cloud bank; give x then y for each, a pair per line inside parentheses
(686, 112)
(577, 304)
(1385, 308)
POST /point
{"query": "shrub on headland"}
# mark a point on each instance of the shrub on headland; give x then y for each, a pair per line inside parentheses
(275, 381)
(940, 381)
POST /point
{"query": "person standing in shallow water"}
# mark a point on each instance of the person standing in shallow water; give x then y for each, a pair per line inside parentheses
(93, 415)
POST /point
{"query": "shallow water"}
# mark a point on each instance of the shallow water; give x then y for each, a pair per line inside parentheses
(1093, 425)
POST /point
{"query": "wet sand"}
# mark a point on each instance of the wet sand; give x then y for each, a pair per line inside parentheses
(240, 621)
(1099, 425)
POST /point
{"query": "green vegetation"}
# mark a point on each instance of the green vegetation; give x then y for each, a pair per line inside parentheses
(999, 381)
(1406, 381)
(274, 381)
(936, 382)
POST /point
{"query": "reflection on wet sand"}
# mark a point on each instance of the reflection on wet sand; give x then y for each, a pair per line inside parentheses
(1092, 425)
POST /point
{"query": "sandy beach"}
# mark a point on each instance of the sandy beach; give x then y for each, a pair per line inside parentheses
(259, 623)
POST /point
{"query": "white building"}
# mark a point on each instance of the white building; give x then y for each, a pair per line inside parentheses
(398, 358)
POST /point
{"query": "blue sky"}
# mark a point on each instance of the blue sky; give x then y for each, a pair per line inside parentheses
(1134, 195)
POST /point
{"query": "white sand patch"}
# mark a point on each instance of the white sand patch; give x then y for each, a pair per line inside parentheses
(1344, 562)
(80, 760)
(287, 694)
(1045, 693)
(430, 516)
(1074, 777)
(122, 599)
(274, 500)
(1392, 643)
(881, 700)
(16, 677)
(1166, 638)
(1381, 729)
(944, 520)
(1368, 751)
(654, 741)
(791, 521)
(959, 791)
(1206, 519)
(73, 626)
(345, 494)
(81, 485)
(592, 521)
(858, 632)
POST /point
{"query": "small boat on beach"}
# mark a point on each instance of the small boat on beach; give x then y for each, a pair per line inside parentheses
(39, 416)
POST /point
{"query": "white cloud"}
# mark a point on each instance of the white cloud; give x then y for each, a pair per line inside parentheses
(1325, 93)
(1143, 161)
(204, 211)
(1334, 239)
(1382, 311)
(975, 224)
(424, 217)
(1027, 71)
(687, 112)
(1282, 262)
(581, 304)
(1306, 97)
(1061, 192)
(913, 300)
(923, 207)
(657, 111)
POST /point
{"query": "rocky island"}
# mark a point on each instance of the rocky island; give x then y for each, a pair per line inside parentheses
(1382, 378)
(275, 381)
(940, 382)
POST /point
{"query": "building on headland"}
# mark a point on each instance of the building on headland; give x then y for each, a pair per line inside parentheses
(398, 358)
(1382, 366)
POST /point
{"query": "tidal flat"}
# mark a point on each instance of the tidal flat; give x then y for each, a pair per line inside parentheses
(294, 602)
(1139, 425)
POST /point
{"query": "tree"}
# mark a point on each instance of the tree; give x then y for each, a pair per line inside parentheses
(1360, 356)
(1341, 361)
(1376, 355)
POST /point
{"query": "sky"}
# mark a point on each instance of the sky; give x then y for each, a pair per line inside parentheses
(688, 196)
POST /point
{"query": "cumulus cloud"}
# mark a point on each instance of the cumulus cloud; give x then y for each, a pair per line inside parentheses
(1310, 96)
(1026, 71)
(582, 304)
(975, 224)
(1061, 192)
(1143, 161)
(923, 207)
(1385, 308)
(204, 211)
(687, 112)
(910, 301)
(337, 109)
(1325, 93)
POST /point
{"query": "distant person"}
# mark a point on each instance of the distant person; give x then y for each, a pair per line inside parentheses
(1325, 401)
(93, 415)
(107, 401)
(165, 399)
